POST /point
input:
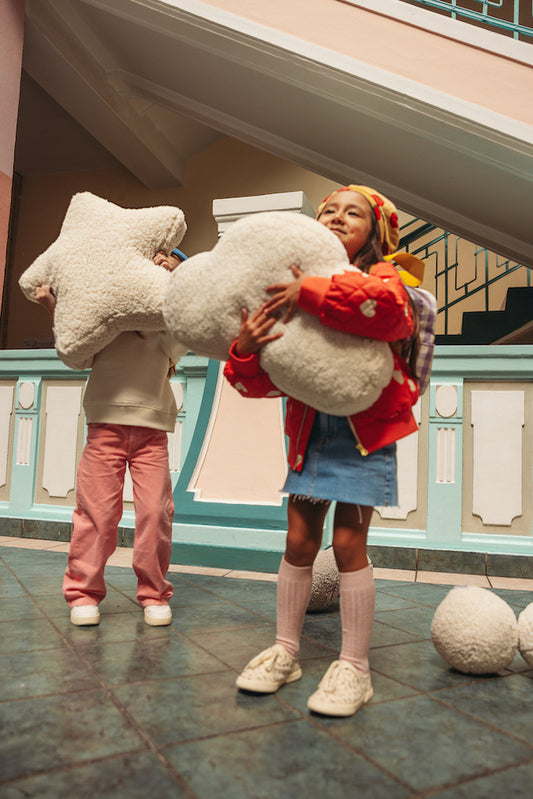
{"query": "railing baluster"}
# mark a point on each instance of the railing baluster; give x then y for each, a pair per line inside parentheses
(444, 248)
(483, 16)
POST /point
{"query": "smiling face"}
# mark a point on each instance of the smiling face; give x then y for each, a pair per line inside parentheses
(349, 216)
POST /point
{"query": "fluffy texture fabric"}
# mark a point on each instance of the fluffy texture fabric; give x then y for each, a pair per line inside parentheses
(475, 631)
(525, 634)
(325, 586)
(330, 370)
(101, 271)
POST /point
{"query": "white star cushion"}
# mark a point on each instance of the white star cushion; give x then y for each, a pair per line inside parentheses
(101, 271)
(330, 370)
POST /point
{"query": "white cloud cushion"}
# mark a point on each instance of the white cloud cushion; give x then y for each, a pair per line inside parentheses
(330, 370)
(101, 270)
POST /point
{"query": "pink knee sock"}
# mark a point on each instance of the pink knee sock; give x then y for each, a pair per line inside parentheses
(294, 592)
(357, 605)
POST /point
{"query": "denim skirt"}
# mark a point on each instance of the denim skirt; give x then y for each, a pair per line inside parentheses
(334, 469)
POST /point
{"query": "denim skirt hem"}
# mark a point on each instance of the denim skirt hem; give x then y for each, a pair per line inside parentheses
(335, 470)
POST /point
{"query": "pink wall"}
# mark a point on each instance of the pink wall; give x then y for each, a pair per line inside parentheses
(12, 31)
(465, 71)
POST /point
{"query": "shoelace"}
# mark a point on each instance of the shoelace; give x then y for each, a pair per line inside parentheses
(266, 658)
(334, 676)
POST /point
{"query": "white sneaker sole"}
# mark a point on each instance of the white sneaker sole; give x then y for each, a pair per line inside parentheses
(265, 686)
(320, 704)
(158, 622)
(85, 621)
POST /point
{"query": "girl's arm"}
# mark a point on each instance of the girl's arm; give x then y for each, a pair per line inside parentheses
(373, 305)
(243, 369)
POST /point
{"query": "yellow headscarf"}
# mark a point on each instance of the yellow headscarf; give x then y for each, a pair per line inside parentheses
(384, 212)
(411, 268)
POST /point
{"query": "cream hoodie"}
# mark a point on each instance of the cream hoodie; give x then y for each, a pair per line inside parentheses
(129, 381)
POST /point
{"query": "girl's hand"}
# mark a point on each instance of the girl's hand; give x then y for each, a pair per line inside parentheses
(46, 297)
(285, 294)
(254, 332)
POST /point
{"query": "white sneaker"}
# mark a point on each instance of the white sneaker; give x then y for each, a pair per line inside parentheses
(341, 691)
(269, 670)
(84, 615)
(157, 615)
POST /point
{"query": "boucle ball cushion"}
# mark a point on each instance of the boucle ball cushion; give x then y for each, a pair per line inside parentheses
(330, 370)
(475, 631)
(101, 271)
(326, 585)
(525, 634)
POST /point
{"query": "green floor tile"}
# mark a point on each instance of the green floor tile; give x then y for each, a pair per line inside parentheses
(284, 760)
(41, 672)
(160, 657)
(503, 702)
(514, 783)
(425, 744)
(44, 733)
(195, 707)
(135, 777)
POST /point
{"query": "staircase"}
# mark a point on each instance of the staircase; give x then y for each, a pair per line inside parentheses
(512, 325)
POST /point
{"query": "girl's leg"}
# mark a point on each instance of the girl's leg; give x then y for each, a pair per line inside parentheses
(357, 589)
(154, 511)
(295, 576)
(98, 510)
(277, 665)
(346, 685)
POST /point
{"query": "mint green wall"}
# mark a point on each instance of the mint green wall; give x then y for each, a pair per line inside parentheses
(252, 536)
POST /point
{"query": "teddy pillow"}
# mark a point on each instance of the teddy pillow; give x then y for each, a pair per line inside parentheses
(332, 371)
(101, 271)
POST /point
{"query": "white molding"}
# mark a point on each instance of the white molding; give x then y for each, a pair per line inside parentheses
(63, 407)
(228, 209)
(497, 421)
(444, 216)
(445, 455)
(305, 65)
(455, 29)
(6, 411)
(26, 396)
(208, 16)
(408, 475)
(24, 436)
(446, 400)
(176, 436)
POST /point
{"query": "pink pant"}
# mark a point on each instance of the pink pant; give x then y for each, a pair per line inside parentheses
(98, 511)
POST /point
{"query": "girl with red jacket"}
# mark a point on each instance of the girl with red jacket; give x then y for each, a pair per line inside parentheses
(351, 461)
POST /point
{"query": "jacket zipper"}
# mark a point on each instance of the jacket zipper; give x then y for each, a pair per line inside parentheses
(299, 457)
(359, 446)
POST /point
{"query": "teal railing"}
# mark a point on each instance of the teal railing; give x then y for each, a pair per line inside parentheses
(511, 17)
(461, 268)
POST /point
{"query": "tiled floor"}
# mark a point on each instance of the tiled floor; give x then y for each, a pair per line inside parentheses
(124, 710)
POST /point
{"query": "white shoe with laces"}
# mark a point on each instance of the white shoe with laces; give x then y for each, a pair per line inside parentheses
(269, 670)
(157, 615)
(341, 691)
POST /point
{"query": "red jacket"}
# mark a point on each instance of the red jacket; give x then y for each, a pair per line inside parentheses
(374, 305)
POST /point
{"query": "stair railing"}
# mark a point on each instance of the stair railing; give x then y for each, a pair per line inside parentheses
(511, 17)
(461, 268)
